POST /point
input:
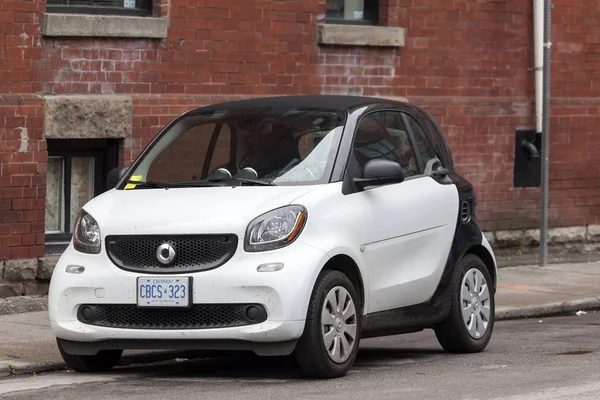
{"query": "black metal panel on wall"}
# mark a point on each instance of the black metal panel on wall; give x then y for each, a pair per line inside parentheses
(527, 168)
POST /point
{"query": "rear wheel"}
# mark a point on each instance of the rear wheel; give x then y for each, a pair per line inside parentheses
(329, 345)
(468, 328)
(102, 361)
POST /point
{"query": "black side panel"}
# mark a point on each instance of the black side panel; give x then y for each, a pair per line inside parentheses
(527, 171)
(435, 310)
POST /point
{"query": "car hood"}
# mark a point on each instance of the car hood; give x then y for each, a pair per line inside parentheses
(213, 210)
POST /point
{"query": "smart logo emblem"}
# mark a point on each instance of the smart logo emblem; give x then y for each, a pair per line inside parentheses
(165, 254)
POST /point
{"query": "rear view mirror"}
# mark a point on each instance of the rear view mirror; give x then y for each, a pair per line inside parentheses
(380, 172)
(114, 176)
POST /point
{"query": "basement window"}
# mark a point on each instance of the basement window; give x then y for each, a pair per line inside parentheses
(358, 12)
(111, 7)
(77, 172)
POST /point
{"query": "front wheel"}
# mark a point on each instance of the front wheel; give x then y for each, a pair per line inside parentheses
(468, 328)
(100, 362)
(329, 344)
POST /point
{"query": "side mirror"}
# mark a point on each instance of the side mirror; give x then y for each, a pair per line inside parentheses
(380, 172)
(114, 176)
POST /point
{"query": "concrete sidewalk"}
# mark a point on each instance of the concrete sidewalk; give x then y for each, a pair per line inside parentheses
(556, 289)
(27, 343)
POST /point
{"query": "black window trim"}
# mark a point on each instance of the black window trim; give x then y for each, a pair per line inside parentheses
(211, 148)
(100, 10)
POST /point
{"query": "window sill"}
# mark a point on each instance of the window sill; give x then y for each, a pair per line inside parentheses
(86, 25)
(360, 35)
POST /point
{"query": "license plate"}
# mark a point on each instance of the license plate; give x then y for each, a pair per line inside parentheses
(163, 291)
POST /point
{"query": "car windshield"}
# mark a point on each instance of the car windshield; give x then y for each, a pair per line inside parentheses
(275, 146)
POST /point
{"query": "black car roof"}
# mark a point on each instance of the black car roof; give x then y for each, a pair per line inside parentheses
(329, 102)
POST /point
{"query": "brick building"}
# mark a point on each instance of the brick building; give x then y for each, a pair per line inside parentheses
(85, 84)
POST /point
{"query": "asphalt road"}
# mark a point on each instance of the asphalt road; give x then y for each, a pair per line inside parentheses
(554, 358)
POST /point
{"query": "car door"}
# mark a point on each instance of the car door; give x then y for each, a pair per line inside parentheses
(406, 229)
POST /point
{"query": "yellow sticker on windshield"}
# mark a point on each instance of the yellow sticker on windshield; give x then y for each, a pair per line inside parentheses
(133, 178)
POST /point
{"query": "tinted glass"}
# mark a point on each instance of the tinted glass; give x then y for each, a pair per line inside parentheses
(105, 4)
(383, 134)
(439, 142)
(185, 157)
(278, 145)
(353, 10)
(423, 147)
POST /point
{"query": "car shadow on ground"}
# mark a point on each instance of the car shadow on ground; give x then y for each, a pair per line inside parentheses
(248, 366)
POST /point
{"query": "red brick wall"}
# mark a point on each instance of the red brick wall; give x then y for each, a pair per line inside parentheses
(20, 22)
(23, 163)
(466, 61)
(214, 47)
(463, 48)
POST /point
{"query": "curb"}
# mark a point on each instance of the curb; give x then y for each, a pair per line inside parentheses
(139, 359)
(547, 310)
(30, 369)
(23, 304)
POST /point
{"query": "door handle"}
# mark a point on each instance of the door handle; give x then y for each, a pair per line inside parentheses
(436, 170)
(440, 172)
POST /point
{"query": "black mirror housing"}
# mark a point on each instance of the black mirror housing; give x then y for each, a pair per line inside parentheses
(114, 177)
(380, 172)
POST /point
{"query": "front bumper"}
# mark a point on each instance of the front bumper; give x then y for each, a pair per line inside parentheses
(284, 294)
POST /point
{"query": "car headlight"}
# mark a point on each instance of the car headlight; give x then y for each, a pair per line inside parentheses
(86, 235)
(275, 229)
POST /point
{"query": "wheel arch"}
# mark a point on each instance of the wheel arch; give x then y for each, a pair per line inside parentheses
(346, 265)
(485, 256)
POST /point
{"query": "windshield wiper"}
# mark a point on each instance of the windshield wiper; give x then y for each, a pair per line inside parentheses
(168, 185)
(213, 181)
(151, 184)
(201, 183)
(257, 182)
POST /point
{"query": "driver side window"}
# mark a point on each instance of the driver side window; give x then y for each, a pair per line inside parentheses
(383, 134)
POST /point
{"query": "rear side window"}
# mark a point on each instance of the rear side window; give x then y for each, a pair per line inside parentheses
(437, 139)
(423, 147)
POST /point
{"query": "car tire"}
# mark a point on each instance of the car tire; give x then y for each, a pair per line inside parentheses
(100, 362)
(326, 349)
(467, 329)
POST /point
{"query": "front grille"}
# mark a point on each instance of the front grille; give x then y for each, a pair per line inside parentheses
(198, 316)
(192, 253)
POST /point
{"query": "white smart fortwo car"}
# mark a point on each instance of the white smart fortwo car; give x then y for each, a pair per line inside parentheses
(283, 225)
